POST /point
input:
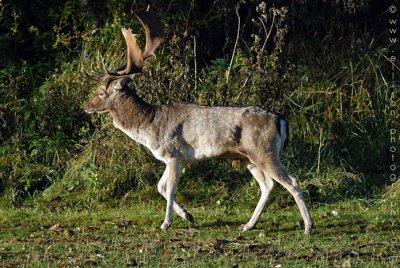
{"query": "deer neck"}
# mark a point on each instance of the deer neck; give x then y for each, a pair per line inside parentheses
(132, 115)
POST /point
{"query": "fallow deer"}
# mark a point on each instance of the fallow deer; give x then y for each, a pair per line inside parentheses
(178, 134)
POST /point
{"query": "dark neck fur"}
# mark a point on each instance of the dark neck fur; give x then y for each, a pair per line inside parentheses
(130, 111)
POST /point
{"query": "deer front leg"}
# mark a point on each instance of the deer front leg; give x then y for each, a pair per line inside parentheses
(167, 187)
(183, 213)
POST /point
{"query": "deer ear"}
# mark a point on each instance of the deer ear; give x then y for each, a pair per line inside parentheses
(120, 83)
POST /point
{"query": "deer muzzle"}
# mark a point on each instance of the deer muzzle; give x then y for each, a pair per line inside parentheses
(89, 109)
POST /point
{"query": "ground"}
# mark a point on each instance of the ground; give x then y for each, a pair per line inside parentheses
(351, 233)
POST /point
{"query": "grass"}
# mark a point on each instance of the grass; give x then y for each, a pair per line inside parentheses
(362, 234)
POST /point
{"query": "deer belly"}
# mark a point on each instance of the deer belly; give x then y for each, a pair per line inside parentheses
(213, 143)
(209, 149)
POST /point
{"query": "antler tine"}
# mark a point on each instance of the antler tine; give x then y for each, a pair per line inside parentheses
(95, 76)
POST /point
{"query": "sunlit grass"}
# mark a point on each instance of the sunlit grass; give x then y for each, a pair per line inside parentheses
(358, 233)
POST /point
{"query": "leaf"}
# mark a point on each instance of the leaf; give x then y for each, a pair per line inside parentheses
(167, 251)
(34, 152)
(55, 227)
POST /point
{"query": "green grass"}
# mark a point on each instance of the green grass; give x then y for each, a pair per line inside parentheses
(363, 234)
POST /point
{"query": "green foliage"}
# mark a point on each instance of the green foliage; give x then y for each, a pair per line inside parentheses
(331, 82)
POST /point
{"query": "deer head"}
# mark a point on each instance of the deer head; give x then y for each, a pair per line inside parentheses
(114, 81)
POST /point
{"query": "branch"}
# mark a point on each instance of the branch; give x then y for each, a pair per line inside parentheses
(265, 29)
(195, 62)
(236, 42)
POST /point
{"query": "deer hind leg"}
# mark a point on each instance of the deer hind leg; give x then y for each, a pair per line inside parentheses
(266, 186)
(167, 188)
(277, 171)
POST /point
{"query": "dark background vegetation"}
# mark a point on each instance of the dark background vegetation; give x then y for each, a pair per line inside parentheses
(323, 64)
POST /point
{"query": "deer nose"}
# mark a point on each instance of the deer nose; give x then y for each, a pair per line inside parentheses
(88, 109)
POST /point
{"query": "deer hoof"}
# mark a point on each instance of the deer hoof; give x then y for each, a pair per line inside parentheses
(307, 228)
(244, 227)
(307, 231)
(189, 217)
(165, 226)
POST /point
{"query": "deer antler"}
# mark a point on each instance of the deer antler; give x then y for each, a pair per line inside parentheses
(153, 29)
(154, 36)
(135, 58)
